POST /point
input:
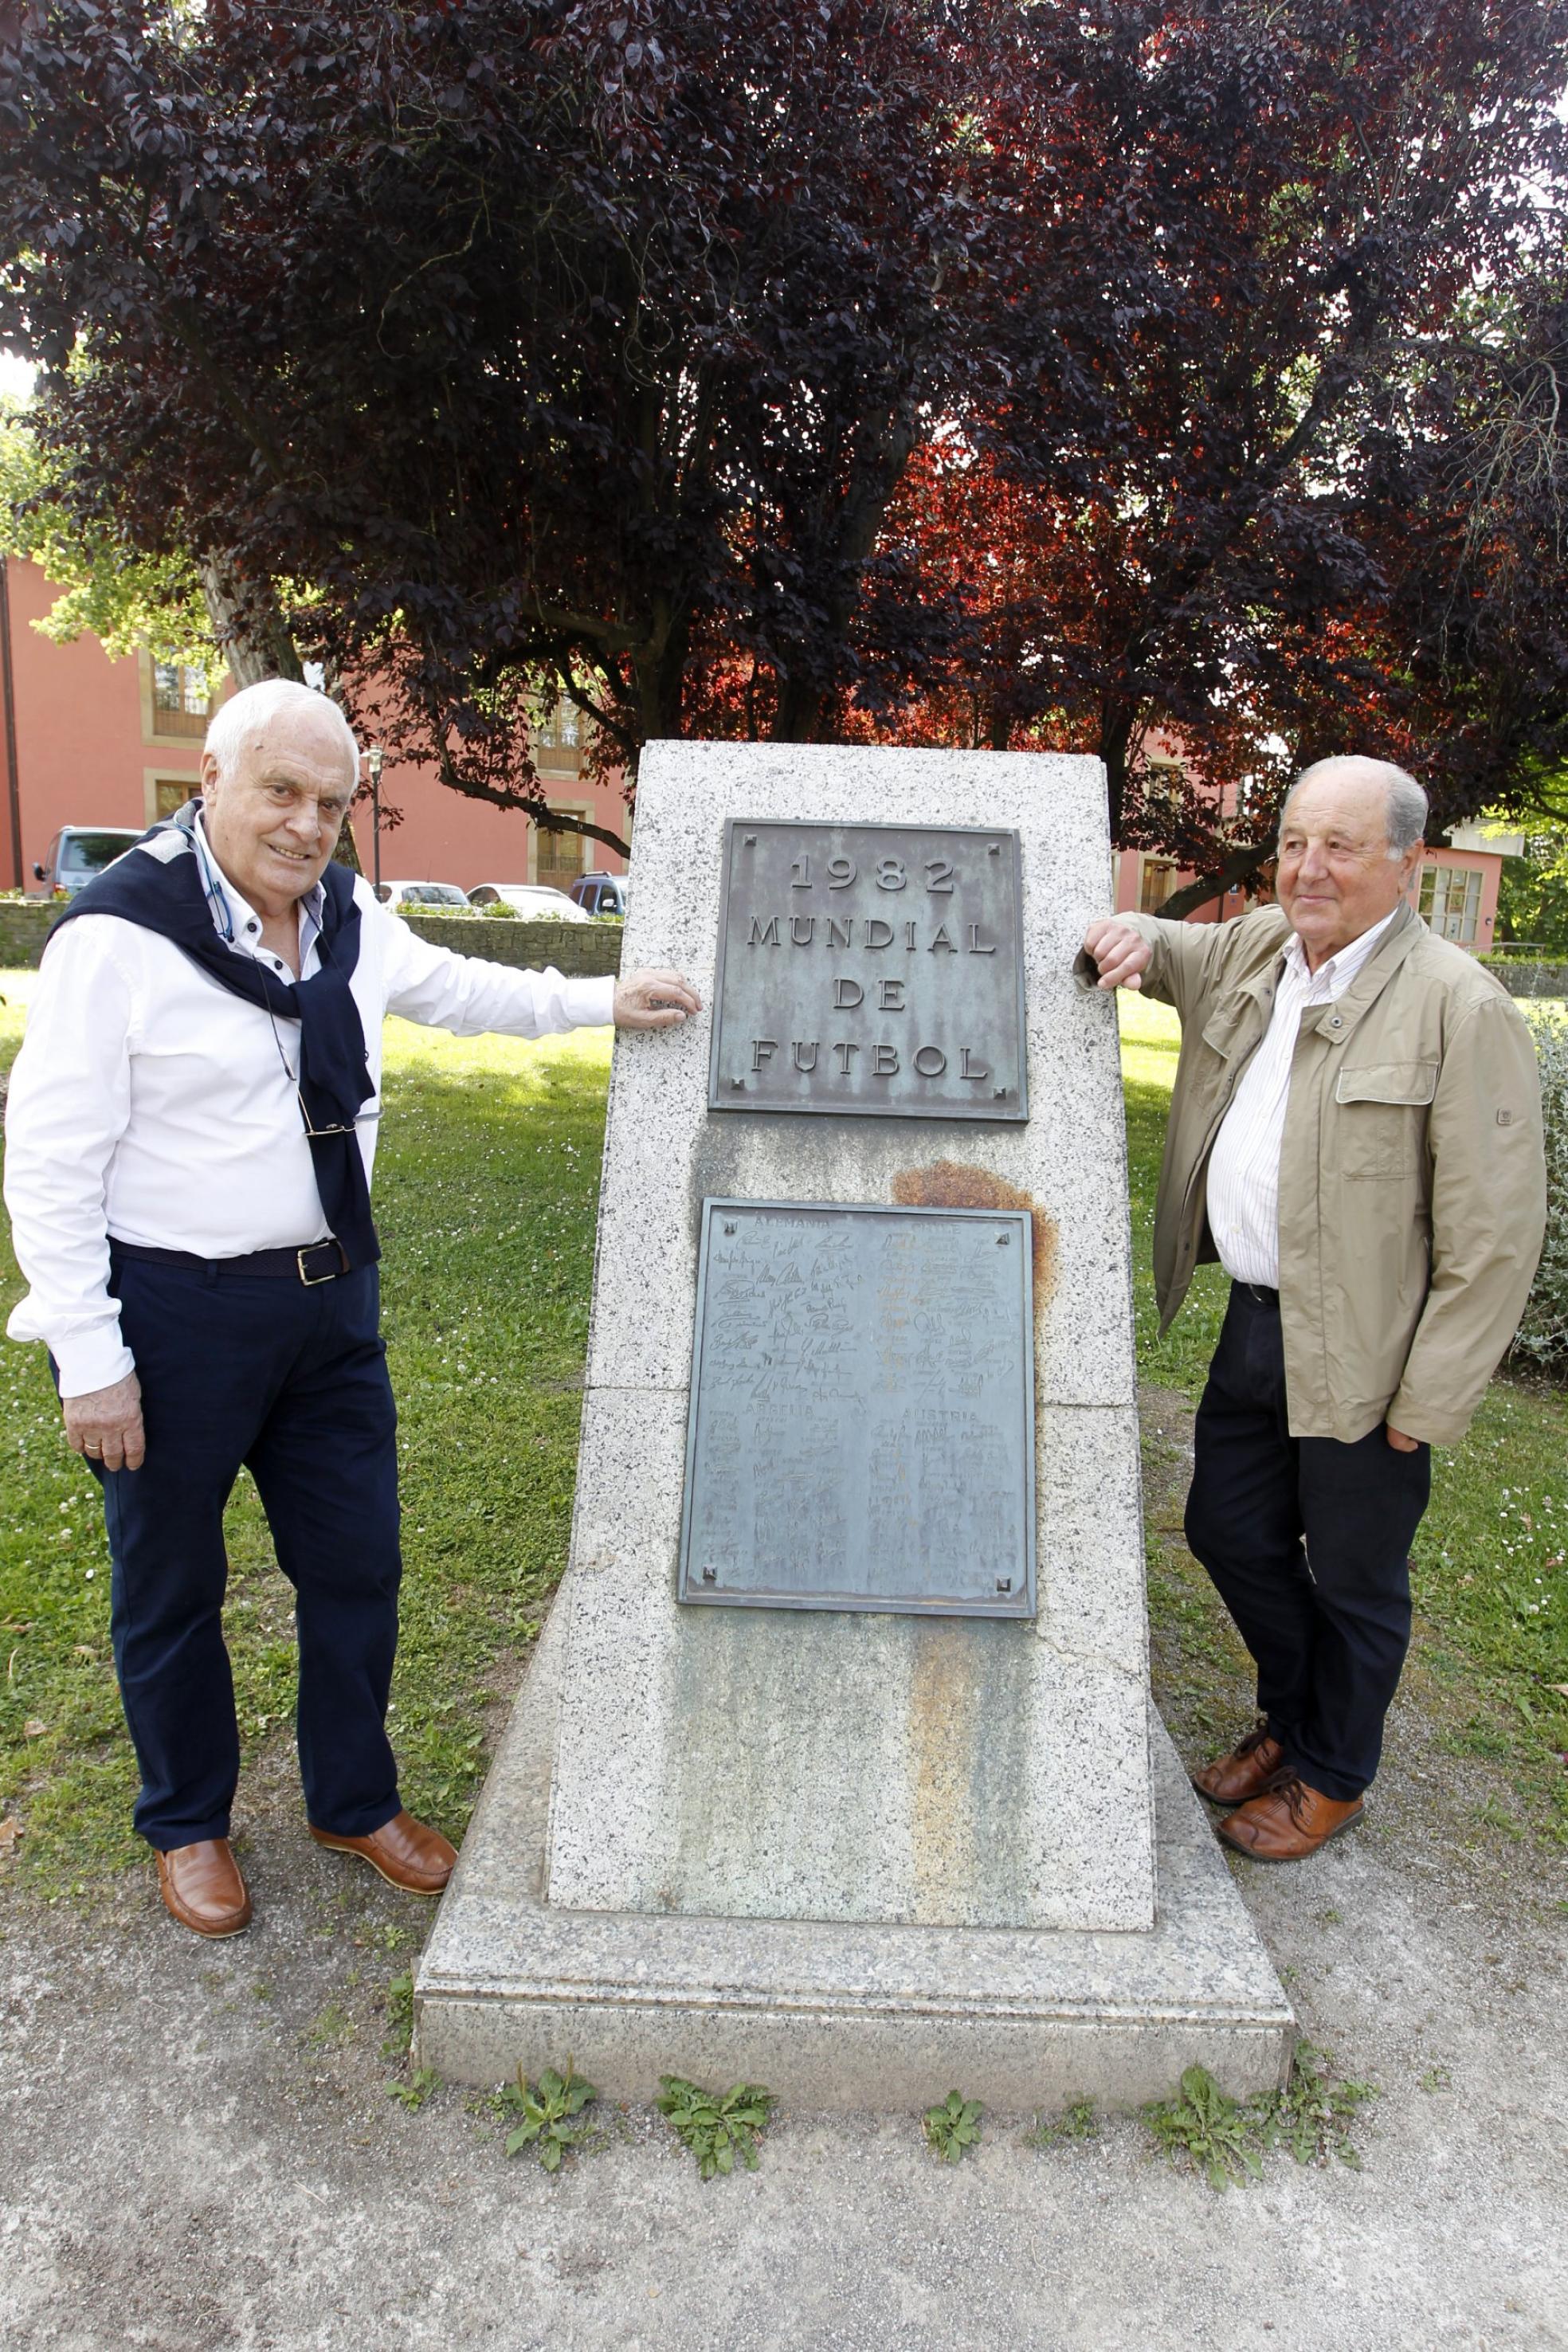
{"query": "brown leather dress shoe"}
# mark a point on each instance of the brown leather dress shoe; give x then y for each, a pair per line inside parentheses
(1245, 1772)
(202, 1889)
(1288, 1820)
(406, 1853)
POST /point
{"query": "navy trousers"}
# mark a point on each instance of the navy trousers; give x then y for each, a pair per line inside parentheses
(1308, 1543)
(292, 1382)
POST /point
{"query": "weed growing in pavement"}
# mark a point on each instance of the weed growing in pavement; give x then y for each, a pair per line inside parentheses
(549, 2111)
(1312, 2116)
(1226, 2139)
(413, 2094)
(952, 2128)
(1077, 2122)
(333, 2026)
(399, 2017)
(1218, 2136)
(1437, 2078)
(716, 2129)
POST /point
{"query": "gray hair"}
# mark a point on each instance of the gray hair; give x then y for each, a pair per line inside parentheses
(1406, 806)
(235, 722)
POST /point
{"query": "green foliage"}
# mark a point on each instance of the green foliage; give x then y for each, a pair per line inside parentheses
(549, 2109)
(1532, 893)
(1208, 2130)
(952, 2127)
(1311, 2116)
(1077, 2122)
(716, 2129)
(125, 599)
(1226, 2139)
(1543, 1337)
(413, 2094)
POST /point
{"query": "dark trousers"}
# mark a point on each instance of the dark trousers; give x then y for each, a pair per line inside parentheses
(291, 1383)
(1308, 1543)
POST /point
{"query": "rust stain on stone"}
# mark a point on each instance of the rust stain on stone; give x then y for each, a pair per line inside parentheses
(947, 1185)
(943, 1727)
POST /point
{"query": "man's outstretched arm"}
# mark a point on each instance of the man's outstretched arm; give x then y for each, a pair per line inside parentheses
(470, 995)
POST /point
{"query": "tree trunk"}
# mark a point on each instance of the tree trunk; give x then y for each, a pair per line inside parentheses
(254, 640)
(251, 632)
(1115, 735)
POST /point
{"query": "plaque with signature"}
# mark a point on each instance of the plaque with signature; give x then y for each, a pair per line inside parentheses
(861, 1426)
(870, 970)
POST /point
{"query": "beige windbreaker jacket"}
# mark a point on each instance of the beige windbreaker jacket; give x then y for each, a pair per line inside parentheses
(1412, 1176)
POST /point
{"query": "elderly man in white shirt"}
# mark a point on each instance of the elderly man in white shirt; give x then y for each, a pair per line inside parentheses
(1355, 1134)
(191, 1130)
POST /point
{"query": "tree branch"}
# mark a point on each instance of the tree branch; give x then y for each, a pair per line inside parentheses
(506, 796)
(1238, 867)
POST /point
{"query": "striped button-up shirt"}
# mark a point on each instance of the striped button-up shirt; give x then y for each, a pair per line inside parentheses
(1243, 1166)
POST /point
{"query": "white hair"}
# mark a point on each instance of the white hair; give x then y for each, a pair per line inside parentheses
(236, 721)
(1406, 808)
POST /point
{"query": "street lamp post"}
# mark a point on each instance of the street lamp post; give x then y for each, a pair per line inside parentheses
(372, 762)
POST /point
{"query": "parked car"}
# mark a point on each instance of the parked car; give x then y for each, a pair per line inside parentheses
(398, 894)
(78, 852)
(601, 894)
(536, 901)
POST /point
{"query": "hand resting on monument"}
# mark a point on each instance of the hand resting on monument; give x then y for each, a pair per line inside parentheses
(1122, 953)
(654, 999)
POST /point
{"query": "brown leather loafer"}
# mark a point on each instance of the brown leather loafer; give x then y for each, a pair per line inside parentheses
(406, 1853)
(1246, 1772)
(202, 1888)
(1288, 1822)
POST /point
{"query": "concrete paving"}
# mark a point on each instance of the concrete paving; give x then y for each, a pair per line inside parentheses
(196, 2151)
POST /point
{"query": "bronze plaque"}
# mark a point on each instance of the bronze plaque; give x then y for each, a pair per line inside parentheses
(862, 1426)
(873, 970)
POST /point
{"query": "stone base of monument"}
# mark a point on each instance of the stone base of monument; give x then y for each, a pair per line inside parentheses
(835, 2015)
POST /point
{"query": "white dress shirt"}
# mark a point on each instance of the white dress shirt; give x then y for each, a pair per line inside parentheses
(1243, 1166)
(149, 1103)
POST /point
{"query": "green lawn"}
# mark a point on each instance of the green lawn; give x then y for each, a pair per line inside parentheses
(486, 1192)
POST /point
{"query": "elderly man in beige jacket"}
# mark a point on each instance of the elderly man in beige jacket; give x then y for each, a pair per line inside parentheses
(1355, 1134)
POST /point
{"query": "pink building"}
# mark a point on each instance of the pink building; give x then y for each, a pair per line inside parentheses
(91, 741)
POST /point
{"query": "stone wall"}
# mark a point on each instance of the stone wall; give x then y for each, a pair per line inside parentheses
(1522, 979)
(581, 951)
(24, 928)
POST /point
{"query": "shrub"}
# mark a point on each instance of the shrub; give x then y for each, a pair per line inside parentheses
(1543, 1338)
